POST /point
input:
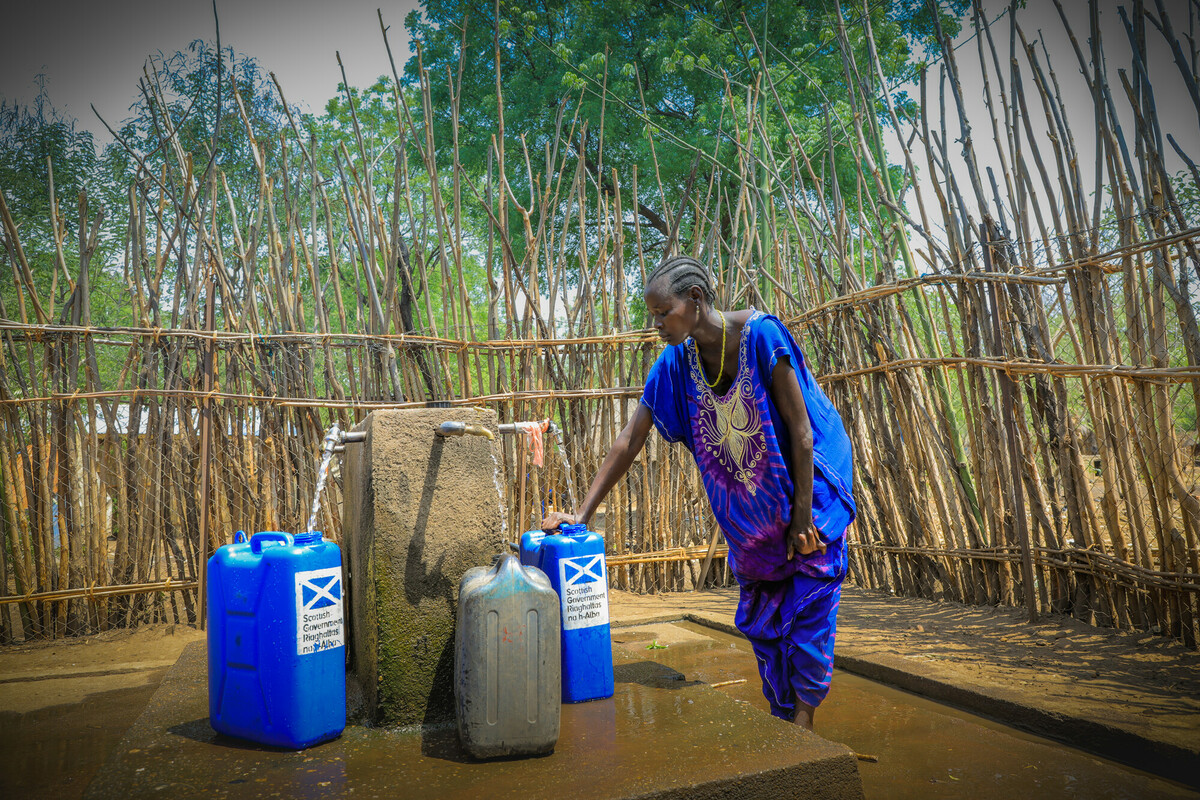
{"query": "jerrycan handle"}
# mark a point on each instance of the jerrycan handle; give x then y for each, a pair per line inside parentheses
(257, 541)
(240, 537)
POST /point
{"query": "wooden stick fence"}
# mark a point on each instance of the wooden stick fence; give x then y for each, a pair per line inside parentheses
(1011, 339)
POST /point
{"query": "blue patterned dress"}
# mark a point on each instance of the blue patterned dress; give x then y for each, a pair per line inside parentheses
(787, 609)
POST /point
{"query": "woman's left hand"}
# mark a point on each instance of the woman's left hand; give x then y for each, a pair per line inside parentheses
(803, 539)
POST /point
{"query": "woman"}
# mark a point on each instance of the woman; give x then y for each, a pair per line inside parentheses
(733, 387)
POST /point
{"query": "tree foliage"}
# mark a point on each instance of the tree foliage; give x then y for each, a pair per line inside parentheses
(173, 129)
(31, 139)
(37, 142)
(628, 87)
(655, 83)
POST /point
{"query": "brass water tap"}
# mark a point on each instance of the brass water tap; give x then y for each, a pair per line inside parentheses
(462, 429)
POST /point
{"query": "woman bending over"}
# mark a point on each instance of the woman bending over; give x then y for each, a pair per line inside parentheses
(775, 459)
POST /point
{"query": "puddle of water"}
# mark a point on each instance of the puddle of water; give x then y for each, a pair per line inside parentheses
(55, 752)
(659, 735)
(926, 749)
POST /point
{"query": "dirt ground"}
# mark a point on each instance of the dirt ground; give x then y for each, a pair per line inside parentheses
(64, 704)
(1075, 668)
(38, 675)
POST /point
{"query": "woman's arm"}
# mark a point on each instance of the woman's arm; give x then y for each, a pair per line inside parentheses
(785, 391)
(628, 444)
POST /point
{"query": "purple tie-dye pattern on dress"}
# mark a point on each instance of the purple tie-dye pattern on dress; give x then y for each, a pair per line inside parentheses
(787, 607)
(739, 451)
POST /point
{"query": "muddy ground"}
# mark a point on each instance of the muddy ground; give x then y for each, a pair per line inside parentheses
(64, 704)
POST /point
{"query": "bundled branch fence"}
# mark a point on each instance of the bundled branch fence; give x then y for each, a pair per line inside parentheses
(1009, 333)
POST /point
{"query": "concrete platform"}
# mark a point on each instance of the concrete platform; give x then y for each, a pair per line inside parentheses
(660, 736)
(1133, 698)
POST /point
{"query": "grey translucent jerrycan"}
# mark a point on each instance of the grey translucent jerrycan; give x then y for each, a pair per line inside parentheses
(507, 669)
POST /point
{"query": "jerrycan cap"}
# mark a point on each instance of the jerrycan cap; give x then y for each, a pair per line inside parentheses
(308, 537)
(576, 529)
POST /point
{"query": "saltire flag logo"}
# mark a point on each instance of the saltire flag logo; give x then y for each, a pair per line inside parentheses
(584, 592)
(583, 569)
(321, 592)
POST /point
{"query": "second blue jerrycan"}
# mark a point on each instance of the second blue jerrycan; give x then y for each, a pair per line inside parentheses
(573, 560)
(530, 548)
(507, 689)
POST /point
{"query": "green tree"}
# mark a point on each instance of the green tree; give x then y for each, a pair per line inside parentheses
(187, 125)
(676, 72)
(182, 101)
(389, 152)
(36, 143)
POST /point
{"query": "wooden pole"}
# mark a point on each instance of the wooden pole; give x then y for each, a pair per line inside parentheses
(206, 451)
(1015, 477)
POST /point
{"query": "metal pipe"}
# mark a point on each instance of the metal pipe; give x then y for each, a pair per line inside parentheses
(508, 428)
(336, 439)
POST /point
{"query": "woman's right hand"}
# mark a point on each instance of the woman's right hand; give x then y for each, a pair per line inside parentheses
(555, 518)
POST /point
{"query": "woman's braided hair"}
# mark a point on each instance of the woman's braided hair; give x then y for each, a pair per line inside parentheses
(682, 273)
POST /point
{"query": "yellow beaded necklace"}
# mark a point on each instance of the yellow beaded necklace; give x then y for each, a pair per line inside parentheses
(721, 369)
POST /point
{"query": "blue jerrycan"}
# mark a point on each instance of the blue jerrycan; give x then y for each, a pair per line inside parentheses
(573, 560)
(276, 639)
(506, 661)
(530, 548)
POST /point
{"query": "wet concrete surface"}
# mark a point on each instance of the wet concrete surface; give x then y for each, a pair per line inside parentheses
(55, 752)
(660, 736)
(926, 749)
(1127, 696)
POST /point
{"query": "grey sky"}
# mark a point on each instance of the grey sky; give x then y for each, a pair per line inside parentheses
(1177, 115)
(93, 52)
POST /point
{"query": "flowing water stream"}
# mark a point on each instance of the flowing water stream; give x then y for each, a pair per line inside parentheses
(332, 439)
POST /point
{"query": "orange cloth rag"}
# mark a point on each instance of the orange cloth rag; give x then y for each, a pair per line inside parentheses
(534, 431)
